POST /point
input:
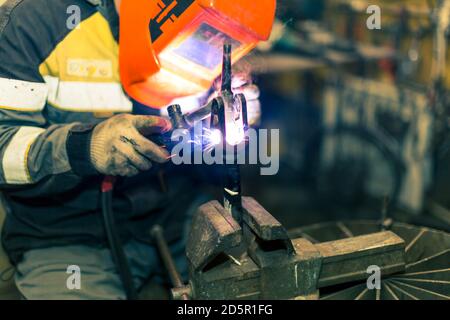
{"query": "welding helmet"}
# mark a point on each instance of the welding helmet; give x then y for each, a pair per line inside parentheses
(173, 48)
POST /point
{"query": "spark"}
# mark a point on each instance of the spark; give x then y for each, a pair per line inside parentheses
(215, 137)
(212, 138)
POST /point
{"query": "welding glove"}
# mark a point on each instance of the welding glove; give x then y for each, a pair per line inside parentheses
(119, 146)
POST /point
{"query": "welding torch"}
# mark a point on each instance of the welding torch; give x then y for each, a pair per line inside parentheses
(228, 115)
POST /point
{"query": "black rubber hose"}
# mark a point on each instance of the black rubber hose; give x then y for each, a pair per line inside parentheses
(116, 248)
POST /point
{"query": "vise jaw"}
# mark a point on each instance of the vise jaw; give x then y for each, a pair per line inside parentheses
(257, 260)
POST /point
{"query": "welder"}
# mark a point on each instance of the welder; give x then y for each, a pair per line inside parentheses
(72, 111)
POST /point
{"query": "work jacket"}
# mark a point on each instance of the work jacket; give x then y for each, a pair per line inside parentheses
(58, 78)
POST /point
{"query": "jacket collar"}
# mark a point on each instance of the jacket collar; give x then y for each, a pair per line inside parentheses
(108, 10)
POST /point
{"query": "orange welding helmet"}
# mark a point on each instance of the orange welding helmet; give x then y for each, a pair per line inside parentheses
(173, 48)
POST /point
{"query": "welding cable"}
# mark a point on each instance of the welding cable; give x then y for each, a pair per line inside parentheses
(115, 244)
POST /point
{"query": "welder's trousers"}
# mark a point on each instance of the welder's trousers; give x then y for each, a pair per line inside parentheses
(82, 272)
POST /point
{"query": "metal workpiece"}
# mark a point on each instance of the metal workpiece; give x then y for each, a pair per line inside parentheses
(232, 191)
(201, 113)
(269, 265)
(226, 69)
(176, 117)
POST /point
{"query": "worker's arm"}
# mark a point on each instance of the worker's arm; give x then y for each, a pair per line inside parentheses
(38, 157)
(55, 158)
(32, 150)
(34, 153)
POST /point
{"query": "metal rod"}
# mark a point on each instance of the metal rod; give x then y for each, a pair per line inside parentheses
(201, 114)
(232, 191)
(166, 256)
(192, 118)
(226, 68)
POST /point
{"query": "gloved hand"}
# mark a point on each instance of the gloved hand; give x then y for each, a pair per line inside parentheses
(119, 146)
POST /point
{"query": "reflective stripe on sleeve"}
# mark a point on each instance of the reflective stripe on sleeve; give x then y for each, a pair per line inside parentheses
(80, 96)
(22, 95)
(15, 158)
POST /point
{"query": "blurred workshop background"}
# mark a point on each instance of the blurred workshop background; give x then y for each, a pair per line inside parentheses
(363, 114)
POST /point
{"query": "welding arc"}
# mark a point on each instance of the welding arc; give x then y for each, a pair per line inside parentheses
(427, 254)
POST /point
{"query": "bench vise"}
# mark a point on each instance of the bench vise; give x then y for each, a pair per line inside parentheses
(255, 259)
(238, 250)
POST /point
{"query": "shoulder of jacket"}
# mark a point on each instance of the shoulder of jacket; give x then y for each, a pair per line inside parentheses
(22, 6)
(31, 29)
(53, 13)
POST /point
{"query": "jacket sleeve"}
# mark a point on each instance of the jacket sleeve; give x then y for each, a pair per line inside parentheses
(35, 156)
